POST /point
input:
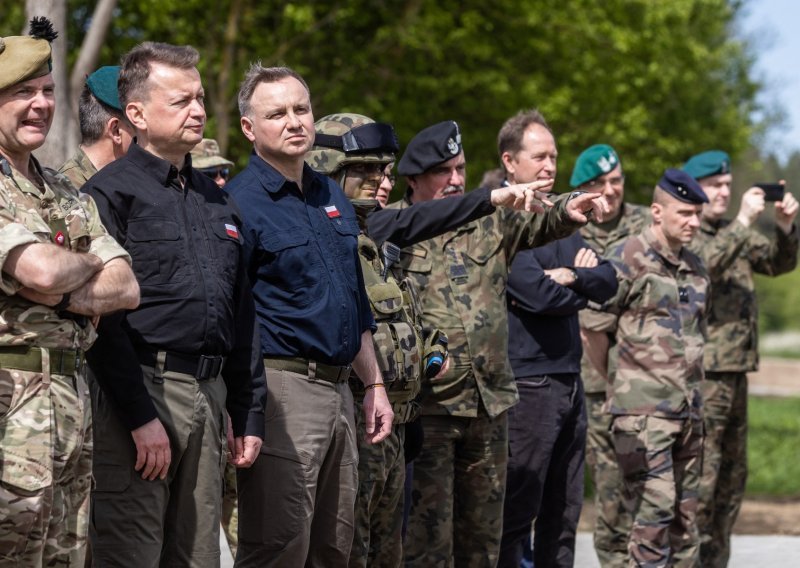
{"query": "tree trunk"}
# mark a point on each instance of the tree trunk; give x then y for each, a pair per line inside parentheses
(61, 139)
(222, 102)
(90, 50)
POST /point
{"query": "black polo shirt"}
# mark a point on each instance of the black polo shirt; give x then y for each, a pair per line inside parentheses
(302, 255)
(186, 246)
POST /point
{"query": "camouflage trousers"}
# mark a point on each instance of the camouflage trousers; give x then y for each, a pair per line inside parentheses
(612, 526)
(230, 508)
(660, 460)
(45, 468)
(724, 476)
(459, 485)
(377, 540)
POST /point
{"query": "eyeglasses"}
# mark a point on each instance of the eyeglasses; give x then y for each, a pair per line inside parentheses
(600, 183)
(367, 170)
(214, 173)
(391, 177)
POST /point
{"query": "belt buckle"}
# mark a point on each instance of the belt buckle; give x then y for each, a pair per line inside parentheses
(344, 373)
(208, 366)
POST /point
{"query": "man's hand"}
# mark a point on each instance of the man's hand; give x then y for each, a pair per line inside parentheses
(378, 415)
(245, 451)
(531, 197)
(585, 258)
(562, 276)
(586, 206)
(153, 454)
(751, 207)
(785, 213)
(40, 297)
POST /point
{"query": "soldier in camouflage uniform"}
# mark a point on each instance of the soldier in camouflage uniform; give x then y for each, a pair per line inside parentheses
(207, 158)
(733, 251)
(399, 343)
(59, 268)
(598, 169)
(105, 132)
(654, 397)
(459, 476)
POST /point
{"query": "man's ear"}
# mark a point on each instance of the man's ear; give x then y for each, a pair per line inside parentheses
(136, 115)
(247, 128)
(112, 129)
(657, 211)
(508, 164)
(412, 182)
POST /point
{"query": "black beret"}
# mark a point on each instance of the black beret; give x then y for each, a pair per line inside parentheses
(430, 147)
(682, 186)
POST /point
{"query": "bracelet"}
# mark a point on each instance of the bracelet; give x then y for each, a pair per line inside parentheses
(374, 386)
(65, 299)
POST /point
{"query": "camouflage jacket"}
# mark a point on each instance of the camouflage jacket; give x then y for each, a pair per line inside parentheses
(461, 277)
(78, 169)
(603, 238)
(658, 362)
(55, 213)
(732, 252)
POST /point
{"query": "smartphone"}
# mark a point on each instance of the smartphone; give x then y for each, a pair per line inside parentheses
(772, 191)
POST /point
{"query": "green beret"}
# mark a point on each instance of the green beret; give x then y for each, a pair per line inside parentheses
(593, 162)
(103, 85)
(710, 163)
(26, 57)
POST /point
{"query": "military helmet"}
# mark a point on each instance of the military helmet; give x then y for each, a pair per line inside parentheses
(348, 138)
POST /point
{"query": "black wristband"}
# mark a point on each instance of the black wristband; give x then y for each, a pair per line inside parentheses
(65, 299)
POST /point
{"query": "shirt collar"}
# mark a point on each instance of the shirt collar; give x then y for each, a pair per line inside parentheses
(159, 168)
(273, 181)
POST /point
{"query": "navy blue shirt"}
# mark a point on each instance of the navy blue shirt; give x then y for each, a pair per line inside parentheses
(544, 334)
(301, 250)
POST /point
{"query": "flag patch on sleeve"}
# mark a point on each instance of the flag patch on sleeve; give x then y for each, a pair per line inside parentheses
(332, 211)
(232, 231)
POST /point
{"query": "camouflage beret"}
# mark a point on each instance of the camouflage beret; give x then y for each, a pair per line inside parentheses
(207, 155)
(431, 147)
(103, 85)
(593, 162)
(710, 163)
(26, 57)
(682, 186)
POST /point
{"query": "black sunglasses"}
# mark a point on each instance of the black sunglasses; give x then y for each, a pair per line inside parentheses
(372, 137)
(213, 173)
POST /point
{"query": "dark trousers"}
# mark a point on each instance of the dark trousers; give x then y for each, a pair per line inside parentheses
(547, 436)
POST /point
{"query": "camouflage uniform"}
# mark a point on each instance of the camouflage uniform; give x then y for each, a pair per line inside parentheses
(613, 523)
(461, 276)
(732, 253)
(377, 539)
(45, 415)
(78, 169)
(654, 396)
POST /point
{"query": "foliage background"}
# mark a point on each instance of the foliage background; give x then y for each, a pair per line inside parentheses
(658, 80)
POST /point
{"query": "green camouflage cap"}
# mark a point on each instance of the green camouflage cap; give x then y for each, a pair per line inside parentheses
(26, 57)
(206, 155)
(709, 163)
(593, 162)
(327, 159)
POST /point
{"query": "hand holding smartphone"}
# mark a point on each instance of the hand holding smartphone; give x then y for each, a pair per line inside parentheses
(772, 191)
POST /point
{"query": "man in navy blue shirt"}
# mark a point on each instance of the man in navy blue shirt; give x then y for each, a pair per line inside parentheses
(547, 287)
(300, 235)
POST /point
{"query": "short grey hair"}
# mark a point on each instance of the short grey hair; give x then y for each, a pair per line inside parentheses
(258, 74)
(93, 116)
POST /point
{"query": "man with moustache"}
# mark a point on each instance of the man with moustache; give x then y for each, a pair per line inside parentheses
(598, 169)
(60, 270)
(105, 131)
(547, 287)
(172, 371)
(733, 252)
(461, 276)
(654, 397)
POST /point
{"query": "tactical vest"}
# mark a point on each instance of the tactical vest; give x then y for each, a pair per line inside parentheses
(398, 339)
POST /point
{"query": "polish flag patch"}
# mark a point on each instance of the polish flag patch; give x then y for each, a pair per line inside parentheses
(332, 212)
(232, 231)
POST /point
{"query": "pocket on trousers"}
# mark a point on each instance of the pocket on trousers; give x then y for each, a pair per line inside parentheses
(629, 444)
(111, 478)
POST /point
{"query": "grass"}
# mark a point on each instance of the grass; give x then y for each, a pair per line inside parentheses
(773, 447)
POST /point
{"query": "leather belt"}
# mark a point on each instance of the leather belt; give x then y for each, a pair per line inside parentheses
(312, 369)
(24, 358)
(201, 367)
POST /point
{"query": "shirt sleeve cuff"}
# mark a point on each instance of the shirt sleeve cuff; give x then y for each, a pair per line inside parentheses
(12, 236)
(106, 248)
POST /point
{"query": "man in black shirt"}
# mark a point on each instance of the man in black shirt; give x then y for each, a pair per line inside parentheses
(168, 370)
